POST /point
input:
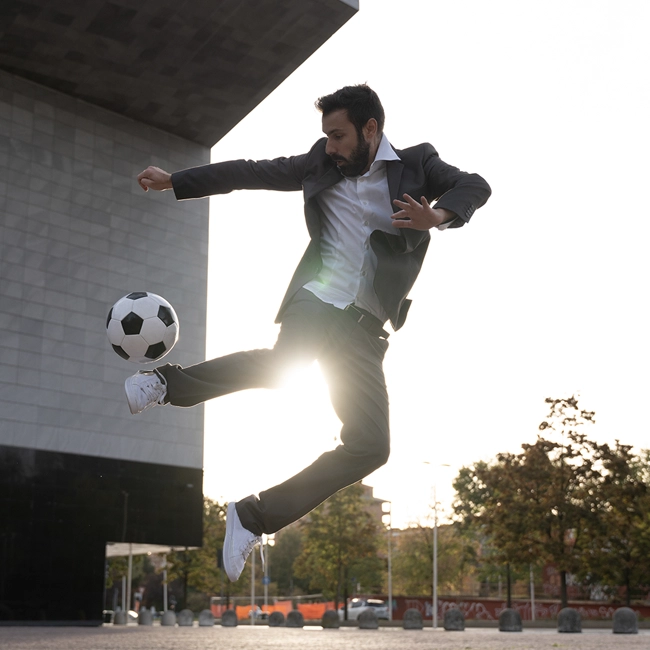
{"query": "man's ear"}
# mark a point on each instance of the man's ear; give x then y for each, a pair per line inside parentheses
(370, 128)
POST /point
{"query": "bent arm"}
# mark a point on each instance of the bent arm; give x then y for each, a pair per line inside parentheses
(454, 190)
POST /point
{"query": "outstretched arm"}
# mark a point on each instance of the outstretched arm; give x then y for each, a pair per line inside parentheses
(284, 174)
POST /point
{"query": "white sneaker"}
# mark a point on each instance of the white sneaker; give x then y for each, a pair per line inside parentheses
(144, 389)
(237, 545)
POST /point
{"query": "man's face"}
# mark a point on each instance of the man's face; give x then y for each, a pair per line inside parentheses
(350, 152)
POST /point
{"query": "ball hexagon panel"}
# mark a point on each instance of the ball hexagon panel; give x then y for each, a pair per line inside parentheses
(146, 307)
(153, 330)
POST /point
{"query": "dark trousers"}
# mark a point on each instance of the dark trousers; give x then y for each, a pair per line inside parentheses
(351, 360)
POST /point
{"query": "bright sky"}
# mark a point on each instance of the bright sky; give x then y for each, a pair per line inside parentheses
(542, 294)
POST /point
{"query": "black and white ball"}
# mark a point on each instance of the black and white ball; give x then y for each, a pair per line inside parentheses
(142, 327)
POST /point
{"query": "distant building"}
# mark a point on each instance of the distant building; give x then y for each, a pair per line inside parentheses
(373, 505)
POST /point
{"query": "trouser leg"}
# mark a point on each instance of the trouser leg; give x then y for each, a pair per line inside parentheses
(353, 369)
(302, 336)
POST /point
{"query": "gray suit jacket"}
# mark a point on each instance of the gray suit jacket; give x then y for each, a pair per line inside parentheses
(419, 172)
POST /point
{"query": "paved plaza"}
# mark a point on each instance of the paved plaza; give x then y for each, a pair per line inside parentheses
(308, 638)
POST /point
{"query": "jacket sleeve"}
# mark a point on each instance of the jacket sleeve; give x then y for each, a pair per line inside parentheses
(281, 174)
(453, 189)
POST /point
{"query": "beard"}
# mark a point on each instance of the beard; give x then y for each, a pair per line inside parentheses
(357, 161)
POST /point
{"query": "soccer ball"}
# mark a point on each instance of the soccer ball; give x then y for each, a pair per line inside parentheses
(142, 327)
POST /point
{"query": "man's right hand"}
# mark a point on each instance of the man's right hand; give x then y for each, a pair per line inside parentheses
(154, 178)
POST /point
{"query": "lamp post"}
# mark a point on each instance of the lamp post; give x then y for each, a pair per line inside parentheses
(253, 587)
(389, 527)
(435, 558)
(270, 541)
(164, 564)
(435, 546)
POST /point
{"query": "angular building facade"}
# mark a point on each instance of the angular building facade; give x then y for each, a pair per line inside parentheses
(90, 94)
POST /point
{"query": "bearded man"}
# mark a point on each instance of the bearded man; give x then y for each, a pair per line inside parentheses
(369, 213)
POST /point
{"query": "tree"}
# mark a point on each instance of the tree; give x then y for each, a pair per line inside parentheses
(288, 547)
(340, 546)
(539, 505)
(196, 569)
(413, 560)
(618, 554)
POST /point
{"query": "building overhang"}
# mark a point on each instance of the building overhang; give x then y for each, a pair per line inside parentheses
(194, 69)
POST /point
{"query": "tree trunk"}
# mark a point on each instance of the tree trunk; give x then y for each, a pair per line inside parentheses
(563, 590)
(628, 596)
(508, 587)
(338, 589)
(345, 592)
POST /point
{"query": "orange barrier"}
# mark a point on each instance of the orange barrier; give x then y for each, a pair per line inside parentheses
(314, 611)
(218, 610)
(284, 606)
(311, 611)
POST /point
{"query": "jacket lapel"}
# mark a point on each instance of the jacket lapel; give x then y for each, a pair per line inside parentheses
(329, 178)
(394, 169)
(407, 240)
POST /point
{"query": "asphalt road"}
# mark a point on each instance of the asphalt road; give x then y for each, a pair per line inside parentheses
(133, 637)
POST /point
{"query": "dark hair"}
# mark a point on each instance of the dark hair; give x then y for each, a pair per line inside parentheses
(361, 103)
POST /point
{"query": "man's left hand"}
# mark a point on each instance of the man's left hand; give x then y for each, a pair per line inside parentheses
(419, 216)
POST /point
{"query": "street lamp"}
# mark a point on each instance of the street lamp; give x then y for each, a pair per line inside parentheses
(252, 615)
(388, 513)
(270, 541)
(435, 546)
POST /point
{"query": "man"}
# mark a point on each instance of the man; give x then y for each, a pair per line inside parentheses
(368, 212)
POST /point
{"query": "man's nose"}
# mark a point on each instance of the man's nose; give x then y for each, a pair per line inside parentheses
(329, 148)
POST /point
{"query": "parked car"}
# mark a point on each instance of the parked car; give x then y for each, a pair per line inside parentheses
(358, 605)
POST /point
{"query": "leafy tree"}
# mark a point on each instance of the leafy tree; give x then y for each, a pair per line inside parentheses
(413, 560)
(196, 570)
(539, 505)
(340, 546)
(288, 547)
(620, 548)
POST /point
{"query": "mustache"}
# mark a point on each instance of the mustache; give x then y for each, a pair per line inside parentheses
(338, 158)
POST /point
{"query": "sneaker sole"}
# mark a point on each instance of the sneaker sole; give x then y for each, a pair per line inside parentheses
(128, 385)
(231, 571)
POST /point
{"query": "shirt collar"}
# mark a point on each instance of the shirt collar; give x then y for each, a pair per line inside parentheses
(385, 151)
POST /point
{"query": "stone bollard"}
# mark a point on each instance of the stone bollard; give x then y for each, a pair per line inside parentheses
(229, 618)
(168, 618)
(206, 618)
(330, 620)
(295, 619)
(454, 620)
(368, 620)
(569, 621)
(185, 618)
(145, 617)
(276, 619)
(412, 619)
(625, 621)
(509, 621)
(120, 618)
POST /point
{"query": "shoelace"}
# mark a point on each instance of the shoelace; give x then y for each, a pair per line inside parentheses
(250, 546)
(163, 381)
(154, 390)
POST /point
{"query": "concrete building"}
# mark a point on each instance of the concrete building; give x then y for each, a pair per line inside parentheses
(91, 93)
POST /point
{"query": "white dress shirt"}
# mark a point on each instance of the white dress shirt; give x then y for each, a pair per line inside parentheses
(353, 209)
